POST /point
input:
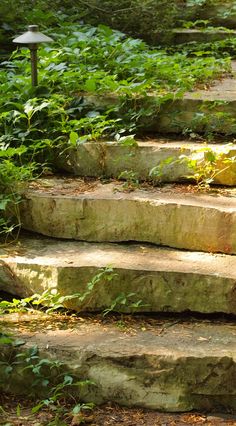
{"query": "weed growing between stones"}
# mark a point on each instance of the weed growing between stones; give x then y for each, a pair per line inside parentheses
(49, 385)
(52, 301)
(204, 165)
(131, 180)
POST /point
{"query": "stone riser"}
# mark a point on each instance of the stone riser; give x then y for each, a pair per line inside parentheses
(106, 213)
(110, 159)
(172, 367)
(210, 111)
(203, 112)
(165, 280)
(181, 35)
(198, 112)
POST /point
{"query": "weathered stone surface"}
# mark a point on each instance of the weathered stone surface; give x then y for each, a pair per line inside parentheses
(169, 366)
(202, 111)
(166, 280)
(110, 159)
(183, 35)
(194, 221)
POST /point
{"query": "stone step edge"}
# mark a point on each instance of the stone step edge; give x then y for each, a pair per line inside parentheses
(165, 161)
(158, 279)
(184, 35)
(170, 367)
(107, 213)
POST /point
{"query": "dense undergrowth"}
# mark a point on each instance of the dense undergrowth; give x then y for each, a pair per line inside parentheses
(143, 19)
(94, 83)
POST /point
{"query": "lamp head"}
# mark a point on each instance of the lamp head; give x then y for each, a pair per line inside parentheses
(32, 36)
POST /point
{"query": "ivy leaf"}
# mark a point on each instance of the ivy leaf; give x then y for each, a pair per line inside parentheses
(19, 342)
(90, 85)
(73, 138)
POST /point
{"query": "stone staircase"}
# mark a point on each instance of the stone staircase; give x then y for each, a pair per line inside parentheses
(171, 249)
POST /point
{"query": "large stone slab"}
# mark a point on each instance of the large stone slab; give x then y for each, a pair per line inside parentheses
(164, 366)
(110, 159)
(165, 280)
(204, 35)
(104, 212)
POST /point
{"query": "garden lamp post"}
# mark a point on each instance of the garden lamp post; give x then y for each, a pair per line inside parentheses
(32, 38)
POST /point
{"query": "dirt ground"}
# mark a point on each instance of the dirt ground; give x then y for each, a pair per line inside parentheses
(18, 413)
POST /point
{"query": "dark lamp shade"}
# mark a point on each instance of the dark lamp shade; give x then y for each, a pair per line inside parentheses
(32, 36)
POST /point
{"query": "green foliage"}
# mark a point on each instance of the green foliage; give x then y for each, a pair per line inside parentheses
(150, 20)
(131, 180)
(136, 17)
(123, 302)
(52, 301)
(49, 300)
(159, 172)
(204, 165)
(211, 119)
(46, 377)
(215, 11)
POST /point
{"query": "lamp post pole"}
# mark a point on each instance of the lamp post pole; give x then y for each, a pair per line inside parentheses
(31, 38)
(34, 66)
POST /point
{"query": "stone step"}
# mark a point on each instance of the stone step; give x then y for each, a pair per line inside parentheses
(208, 111)
(203, 111)
(185, 35)
(111, 159)
(169, 216)
(164, 280)
(159, 364)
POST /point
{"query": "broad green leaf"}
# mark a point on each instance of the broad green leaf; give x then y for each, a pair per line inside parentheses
(73, 138)
(90, 85)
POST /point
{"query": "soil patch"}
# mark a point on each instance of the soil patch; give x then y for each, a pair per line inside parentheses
(68, 186)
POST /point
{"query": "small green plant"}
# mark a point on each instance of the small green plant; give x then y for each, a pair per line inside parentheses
(105, 274)
(159, 172)
(46, 376)
(131, 181)
(126, 140)
(123, 302)
(51, 300)
(204, 166)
